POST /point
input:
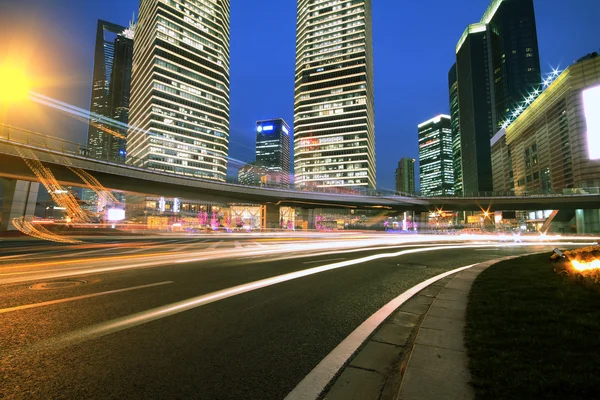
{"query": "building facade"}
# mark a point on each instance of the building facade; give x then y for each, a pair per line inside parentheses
(554, 145)
(405, 176)
(179, 113)
(497, 66)
(273, 149)
(250, 175)
(334, 121)
(455, 123)
(436, 170)
(113, 50)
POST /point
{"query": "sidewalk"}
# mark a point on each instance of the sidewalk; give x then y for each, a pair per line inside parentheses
(419, 353)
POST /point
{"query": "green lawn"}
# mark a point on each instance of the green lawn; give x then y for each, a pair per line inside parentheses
(532, 334)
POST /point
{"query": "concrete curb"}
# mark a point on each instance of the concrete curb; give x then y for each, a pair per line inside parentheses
(418, 353)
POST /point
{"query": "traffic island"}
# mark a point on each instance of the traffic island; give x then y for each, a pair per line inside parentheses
(532, 333)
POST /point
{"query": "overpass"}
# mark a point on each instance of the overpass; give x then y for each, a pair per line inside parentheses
(58, 155)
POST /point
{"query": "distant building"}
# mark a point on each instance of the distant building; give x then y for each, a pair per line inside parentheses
(435, 157)
(273, 149)
(497, 66)
(455, 123)
(554, 145)
(334, 106)
(110, 88)
(179, 112)
(250, 175)
(405, 176)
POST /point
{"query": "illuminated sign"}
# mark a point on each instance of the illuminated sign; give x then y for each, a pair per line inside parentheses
(115, 214)
(267, 128)
(591, 105)
(285, 130)
(259, 129)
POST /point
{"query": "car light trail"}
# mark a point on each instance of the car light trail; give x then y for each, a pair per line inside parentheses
(154, 314)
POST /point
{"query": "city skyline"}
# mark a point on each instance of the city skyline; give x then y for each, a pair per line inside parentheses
(556, 49)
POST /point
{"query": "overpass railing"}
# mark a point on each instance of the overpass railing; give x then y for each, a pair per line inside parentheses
(13, 134)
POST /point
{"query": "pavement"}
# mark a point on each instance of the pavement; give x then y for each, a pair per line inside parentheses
(206, 318)
(419, 353)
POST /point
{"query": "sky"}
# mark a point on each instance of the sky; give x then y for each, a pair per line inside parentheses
(414, 42)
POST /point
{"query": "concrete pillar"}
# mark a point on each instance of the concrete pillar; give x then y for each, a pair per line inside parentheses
(308, 215)
(588, 221)
(270, 217)
(18, 200)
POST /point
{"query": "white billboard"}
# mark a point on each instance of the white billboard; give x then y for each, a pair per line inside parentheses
(591, 105)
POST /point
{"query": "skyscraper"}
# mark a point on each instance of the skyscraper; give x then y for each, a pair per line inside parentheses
(435, 157)
(107, 35)
(497, 62)
(273, 148)
(405, 176)
(334, 123)
(180, 89)
(455, 123)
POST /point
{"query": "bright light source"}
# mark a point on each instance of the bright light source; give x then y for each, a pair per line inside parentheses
(115, 214)
(591, 105)
(14, 84)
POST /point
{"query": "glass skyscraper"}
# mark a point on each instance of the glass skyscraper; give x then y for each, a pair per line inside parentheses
(405, 176)
(180, 91)
(435, 157)
(455, 122)
(334, 122)
(109, 36)
(497, 63)
(273, 149)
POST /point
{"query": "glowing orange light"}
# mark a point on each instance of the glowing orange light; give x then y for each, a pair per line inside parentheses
(585, 266)
(14, 84)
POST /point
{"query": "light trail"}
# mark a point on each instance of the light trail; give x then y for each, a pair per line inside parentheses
(123, 323)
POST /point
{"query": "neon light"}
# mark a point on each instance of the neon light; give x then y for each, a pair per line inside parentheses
(591, 105)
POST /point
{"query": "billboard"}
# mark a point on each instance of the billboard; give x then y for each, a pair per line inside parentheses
(591, 106)
(115, 214)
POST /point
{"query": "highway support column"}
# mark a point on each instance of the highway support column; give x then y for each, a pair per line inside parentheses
(308, 217)
(270, 217)
(18, 200)
(588, 221)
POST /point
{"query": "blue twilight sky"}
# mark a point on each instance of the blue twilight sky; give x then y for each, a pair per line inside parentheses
(414, 43)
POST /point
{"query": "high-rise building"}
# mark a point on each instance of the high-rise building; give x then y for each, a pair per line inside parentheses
(273, 149)
(179, 113)
(334, 122)
(436, 170)
(497, 63)
(455, 123)
(250, 175)
(107, 37)
(405, 176)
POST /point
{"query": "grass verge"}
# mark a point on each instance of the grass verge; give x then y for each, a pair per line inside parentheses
(532, 334)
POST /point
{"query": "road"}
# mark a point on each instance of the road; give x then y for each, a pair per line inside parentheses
(166, 317)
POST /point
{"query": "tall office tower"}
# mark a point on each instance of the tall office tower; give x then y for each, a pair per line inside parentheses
(273, 149)
(435, 157)
(334, 122)
(497, 62)
(250, 175)
(119, 91)
(180, 88)
(455, 123)
(104, 57)
(405, 176)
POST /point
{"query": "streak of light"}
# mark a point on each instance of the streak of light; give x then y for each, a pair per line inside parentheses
(123, 323)
(85, 296)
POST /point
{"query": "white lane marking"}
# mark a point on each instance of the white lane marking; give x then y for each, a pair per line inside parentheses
(318, 261)
(85, 296)
(119, 324)
(237, 245)
(215, 245)
(315, 382)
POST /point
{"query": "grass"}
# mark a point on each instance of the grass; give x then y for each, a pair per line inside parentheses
(533, 334)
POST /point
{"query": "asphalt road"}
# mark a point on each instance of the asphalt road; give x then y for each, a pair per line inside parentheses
(99, 332)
